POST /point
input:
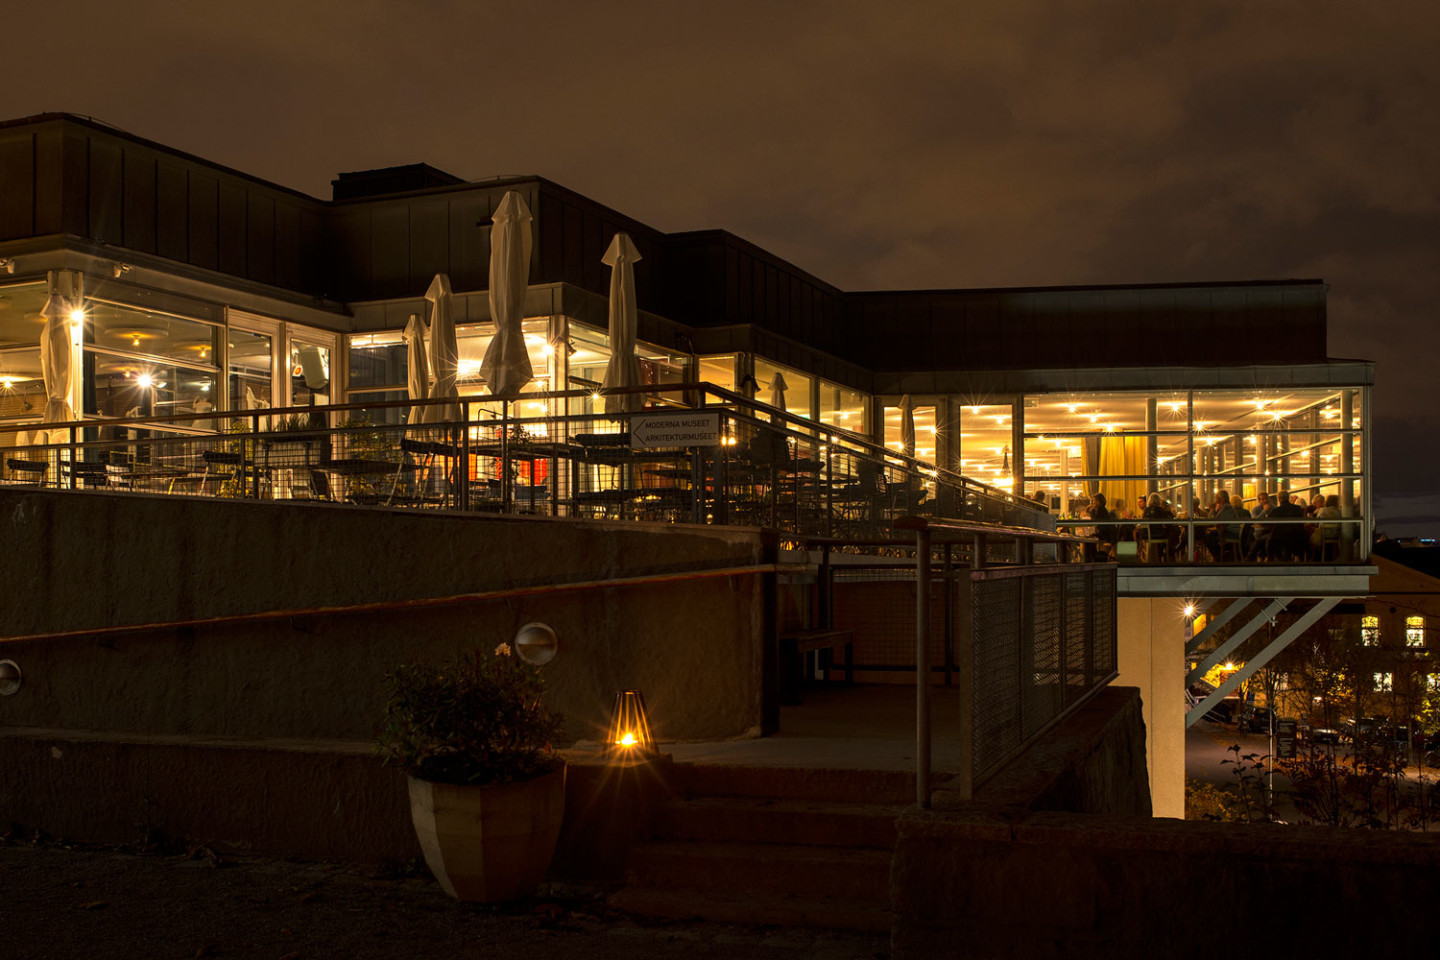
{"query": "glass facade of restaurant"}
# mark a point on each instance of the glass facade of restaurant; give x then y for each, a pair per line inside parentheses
(1184, 445)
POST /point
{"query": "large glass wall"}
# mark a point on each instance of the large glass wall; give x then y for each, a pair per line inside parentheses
(143, 363)
(1186, 446)
(926, 428)
(22, 391)
(796, 387)
(844, 408)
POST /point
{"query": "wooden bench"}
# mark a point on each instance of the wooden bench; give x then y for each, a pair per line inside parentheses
(795, 644)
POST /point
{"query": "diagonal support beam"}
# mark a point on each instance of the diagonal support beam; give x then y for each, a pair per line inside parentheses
(1238, 637)
(1216, 623)
(1322, 606)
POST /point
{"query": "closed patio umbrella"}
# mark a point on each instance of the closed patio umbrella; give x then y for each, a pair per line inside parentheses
(55, 368)
(777, 391)
(444, 354)
(907, 425)
(506, 367)
(623, 370)
(417, 367)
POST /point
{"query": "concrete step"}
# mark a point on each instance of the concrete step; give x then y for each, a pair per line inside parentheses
(763, 871)
(718, 908)
(766, 820)
(794, 783)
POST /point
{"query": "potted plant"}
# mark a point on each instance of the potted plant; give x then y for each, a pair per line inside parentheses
(487, 790)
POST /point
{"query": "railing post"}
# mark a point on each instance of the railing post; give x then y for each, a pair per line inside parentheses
(463, 471)
(504, 456)
(254, 457)
(922, 667)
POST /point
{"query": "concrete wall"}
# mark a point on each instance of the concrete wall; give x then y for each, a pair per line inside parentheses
(82, 561)
(1150, 637)
(108, 723)
(994, 883)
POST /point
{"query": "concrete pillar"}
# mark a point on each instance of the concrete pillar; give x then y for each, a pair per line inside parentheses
(1150, 636)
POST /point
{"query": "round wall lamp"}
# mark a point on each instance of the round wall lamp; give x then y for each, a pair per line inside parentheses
(537, 643)
(9, 678)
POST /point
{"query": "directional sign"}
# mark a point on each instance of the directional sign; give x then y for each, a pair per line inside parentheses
(1285, 738)
(681, 429)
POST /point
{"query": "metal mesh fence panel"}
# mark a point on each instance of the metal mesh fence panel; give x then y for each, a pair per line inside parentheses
(1043, 695)
(998, 623)
(878, 607)
(1102, 630)
(1077, 634)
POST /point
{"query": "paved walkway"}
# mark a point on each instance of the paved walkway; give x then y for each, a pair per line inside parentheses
(59, 903)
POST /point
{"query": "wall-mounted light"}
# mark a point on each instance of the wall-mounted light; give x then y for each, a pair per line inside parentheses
(7, 264)
(630, 740)
(10, 678)
(120, 269)
(537, 643)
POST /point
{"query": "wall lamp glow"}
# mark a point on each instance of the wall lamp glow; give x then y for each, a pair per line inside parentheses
(120, 269)
(7, 264)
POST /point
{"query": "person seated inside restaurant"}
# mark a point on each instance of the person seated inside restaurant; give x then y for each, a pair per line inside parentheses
(1330, 510)
(1162, 539)
(1106, 533)
(1121, 511)
(1287, 540)
(1225, 510)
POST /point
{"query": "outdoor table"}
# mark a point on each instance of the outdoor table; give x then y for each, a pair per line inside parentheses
(360, 467)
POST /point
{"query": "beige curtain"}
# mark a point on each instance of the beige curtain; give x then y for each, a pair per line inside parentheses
(1120, 456)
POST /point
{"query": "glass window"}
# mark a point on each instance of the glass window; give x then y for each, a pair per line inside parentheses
(251, 382)
(844, 408)
(1414, 631)
(474, 339)
(20, 319)
(309, 374)
(1384, 682)
(378, 360)
(121, 386)
(120, 329)
(984, 452)
(718, 370)
(924, 431)
(22, 391)
(1370, 631)
(797, 386)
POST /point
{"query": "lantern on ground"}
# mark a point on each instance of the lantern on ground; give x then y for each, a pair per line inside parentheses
(630, 738)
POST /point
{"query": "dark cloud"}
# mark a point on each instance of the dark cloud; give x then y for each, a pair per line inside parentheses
(925, 144)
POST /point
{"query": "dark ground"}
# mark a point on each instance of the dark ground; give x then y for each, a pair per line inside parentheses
(62, 902)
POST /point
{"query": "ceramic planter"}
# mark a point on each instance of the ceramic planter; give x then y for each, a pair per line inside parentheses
(487, 844)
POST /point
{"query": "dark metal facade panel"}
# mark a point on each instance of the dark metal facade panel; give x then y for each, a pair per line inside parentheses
(288, 248)
(17, 186)
(260, 238)
(429, 240)
(106, 186)
(203, 220)
(388, 259)
(138, 226)
(230, 231)
(172, 215)
(469, 216)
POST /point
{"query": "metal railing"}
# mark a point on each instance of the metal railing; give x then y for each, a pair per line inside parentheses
(1033, 643)
(1228, 540)
(555, 453)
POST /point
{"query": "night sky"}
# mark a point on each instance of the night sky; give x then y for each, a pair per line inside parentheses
(903, 145)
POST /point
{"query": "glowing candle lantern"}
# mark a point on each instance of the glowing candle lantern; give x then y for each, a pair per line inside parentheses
(630, 737)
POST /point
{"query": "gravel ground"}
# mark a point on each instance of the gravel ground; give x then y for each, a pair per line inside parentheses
(63, 902)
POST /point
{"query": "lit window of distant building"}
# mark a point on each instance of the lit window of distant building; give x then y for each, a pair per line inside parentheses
(1414, 631)
(1383, 682)
(1370, 631)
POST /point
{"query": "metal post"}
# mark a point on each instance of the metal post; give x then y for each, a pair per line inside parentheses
(922, 668)
(464, 470)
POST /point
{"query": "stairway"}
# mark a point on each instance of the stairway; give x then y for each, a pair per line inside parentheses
(765, 845)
